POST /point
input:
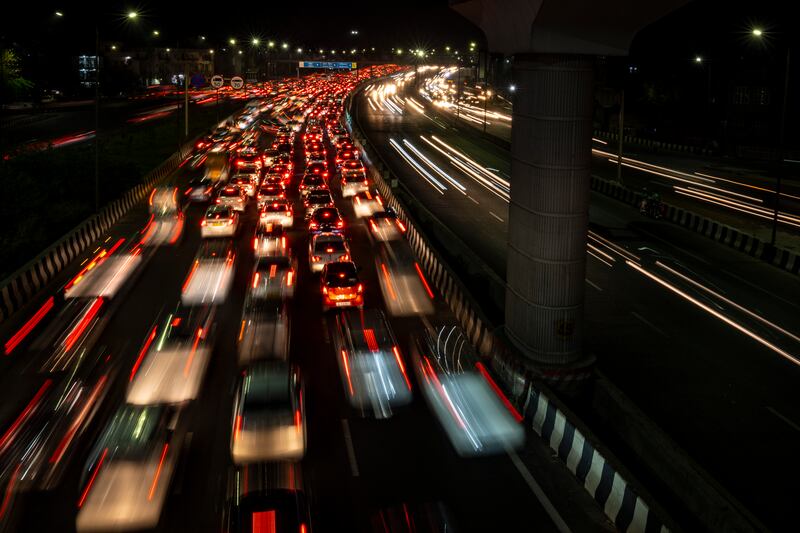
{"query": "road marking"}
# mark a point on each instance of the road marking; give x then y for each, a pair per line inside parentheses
(785, 419)
(497, 217)
(473, 199)
(648, 323)
(537, 491)
(351, 452)
(593, 284)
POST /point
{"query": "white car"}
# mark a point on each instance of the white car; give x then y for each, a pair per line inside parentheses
(277, 213)
(327, 248)
(270, 241)
(219, 221)
(127, 477)
(366, 204)
(353, 182)
(269, 415)
(233, 197)
(247, 182)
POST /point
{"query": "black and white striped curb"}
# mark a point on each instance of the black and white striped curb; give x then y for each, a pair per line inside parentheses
(19, 288)
(616, 496)
(650, 144)
(723, 234)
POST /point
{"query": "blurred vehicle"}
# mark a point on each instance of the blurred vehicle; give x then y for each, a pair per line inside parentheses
(312, 182)
(282, 169)
(372, 369)
(268, 158)
(475, 414)
(219, 221)
(353, 181)
(129, 470)
(325, 219)
(340, 286)
(366, 203)
(327, 248)
(246, 182)
(248, 158)
(346, 156)
(217, 164)
(269, 415)
(163, 229)
(164, 201)
(265, 330)
(414, 517)
(277, 213)
(171, 370)
(274, 277)
(385, 226)
(200, 189)
(211, 274)
(268, 194)
(270, 240)
(273, 500)
(403, 284)
(316, 199)
(233, 197)
(317, 167)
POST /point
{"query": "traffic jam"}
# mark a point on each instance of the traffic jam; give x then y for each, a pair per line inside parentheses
(278, 195)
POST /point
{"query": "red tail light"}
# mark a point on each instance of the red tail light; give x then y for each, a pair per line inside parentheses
(316, 258)
(218, 200)
(360, 288)
(324, 290)
(340, 224)
(203, 222)
(255, 243)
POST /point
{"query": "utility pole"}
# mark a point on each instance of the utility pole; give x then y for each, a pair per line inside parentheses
(97, 118)
(186, 102)
(621, 135)
(781, 149)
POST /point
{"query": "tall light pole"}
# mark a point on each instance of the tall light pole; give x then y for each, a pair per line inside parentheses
(758, 33)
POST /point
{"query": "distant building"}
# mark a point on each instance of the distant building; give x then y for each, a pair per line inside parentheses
(87, 71)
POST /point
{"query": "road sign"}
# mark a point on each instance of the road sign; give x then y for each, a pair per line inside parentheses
(198, 80)
(237, 82)
(217, 81)
(327, 64)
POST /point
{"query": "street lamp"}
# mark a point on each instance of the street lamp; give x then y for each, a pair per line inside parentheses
(271, 44)
(299, 50)
(132, 14)
(758, 32)
(256, 41)
(232, 41)
(698, 59)
(285, 46)
(211, 51)
(512, 88)
(59, 14)
(156, 33)
(202, 37)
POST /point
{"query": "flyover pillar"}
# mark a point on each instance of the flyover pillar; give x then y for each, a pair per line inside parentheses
(548, 211)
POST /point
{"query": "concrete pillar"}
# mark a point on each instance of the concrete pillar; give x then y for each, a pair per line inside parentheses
(549, 209)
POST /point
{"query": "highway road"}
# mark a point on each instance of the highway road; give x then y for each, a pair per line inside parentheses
(703, 339)
(356, 472)
(736, 193)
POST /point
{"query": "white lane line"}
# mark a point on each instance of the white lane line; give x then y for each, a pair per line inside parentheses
(785, 419)
(537, 491)
(473, 199)
(497, 217)
(649, 324)
(593, 284)
(351, 452)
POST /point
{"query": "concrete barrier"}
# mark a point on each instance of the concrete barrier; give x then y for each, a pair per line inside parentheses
(21, 287)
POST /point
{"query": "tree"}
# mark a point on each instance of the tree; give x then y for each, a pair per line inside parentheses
(12, 84)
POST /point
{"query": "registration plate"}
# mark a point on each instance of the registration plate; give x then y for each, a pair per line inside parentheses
(342, 304)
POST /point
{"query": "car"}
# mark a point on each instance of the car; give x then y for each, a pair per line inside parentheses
(274, 277)
(353, 183)
(283, 158)
(248, 156)
(471, 408)
(327, 248)
(344, 156)
(312, 182)
(269, 415)
(284, 148)
(316, 199)
(246, 182)
(273, 510)
(219, 221)
(277, 213)
(233, 197)
(199, 189)
(271, 193)
(211, 274)
(268, 157)
(171, 370)
(326, 219)
(317, 167)
(371, 366)
(126, 479)
(385, 226)
(366, 203)
(281, 169)
(405, 289)
(265, 330)
(340, 286)
(270, 240)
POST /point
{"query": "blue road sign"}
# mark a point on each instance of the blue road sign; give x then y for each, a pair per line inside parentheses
(327, 64)
(198, 80)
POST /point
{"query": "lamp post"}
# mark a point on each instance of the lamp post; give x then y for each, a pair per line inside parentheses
(758, 33)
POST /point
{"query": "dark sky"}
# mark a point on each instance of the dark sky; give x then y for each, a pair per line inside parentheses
(380, 23)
